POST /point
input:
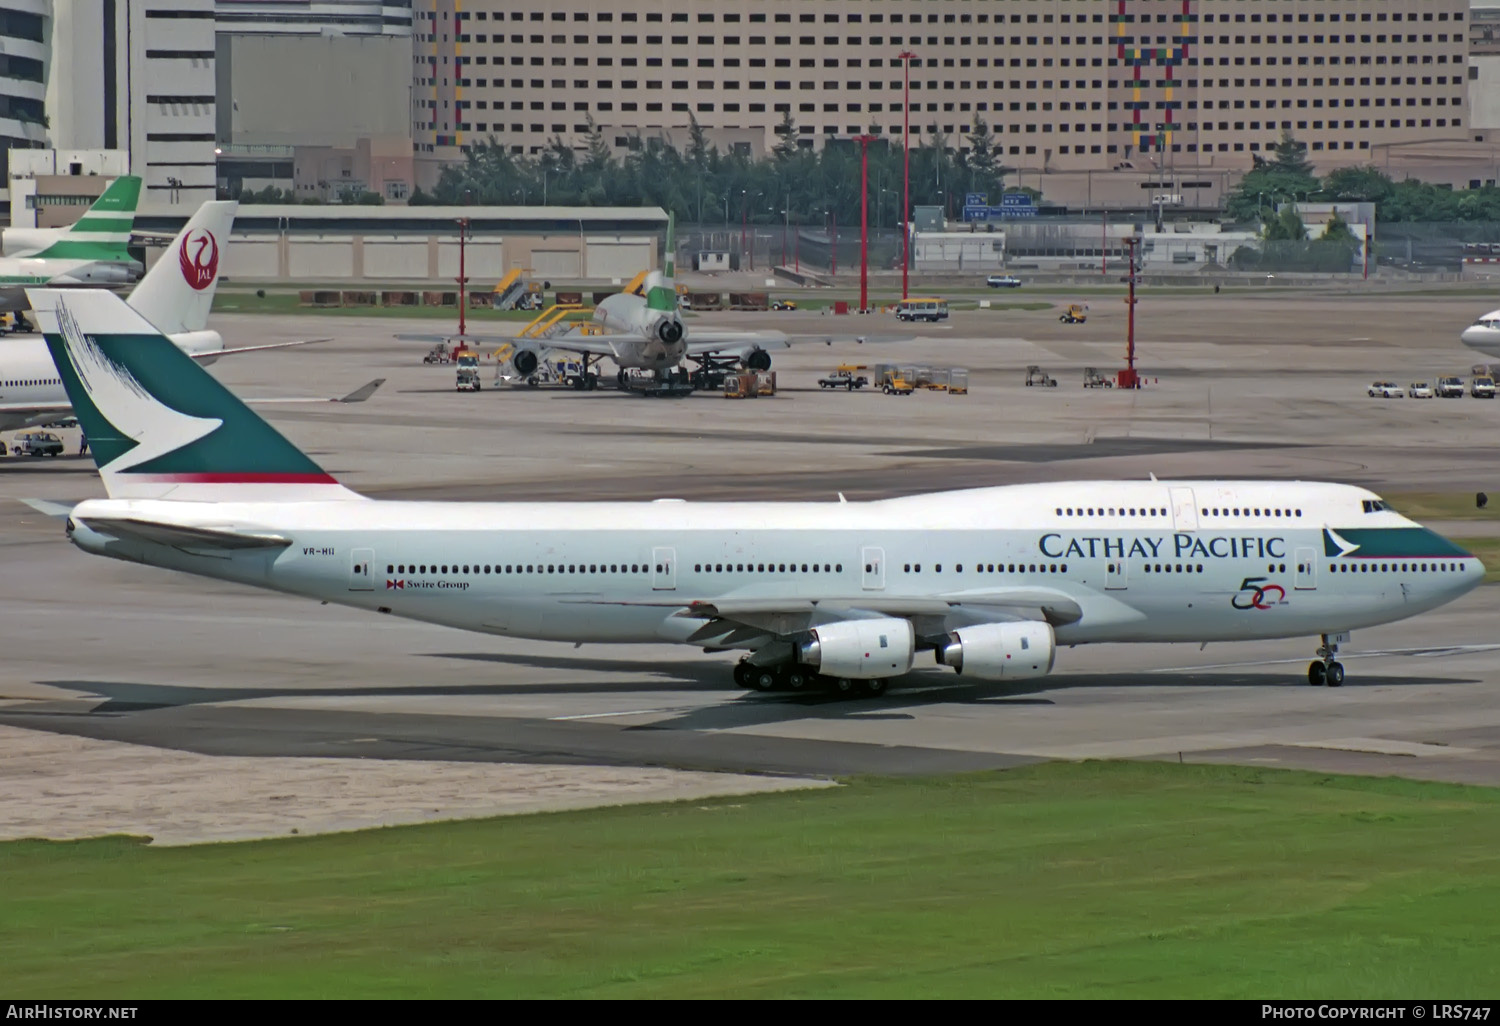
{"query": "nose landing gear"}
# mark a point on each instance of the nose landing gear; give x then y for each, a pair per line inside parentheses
(1328, 670)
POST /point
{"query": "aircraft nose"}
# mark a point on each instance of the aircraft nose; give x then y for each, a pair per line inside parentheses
(1469, 335)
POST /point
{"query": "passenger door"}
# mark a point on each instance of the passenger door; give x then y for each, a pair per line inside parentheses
(1116, 575)
(361, 571)
(873, 574)
(1184, 510)
(1307, 569)
(664, 569)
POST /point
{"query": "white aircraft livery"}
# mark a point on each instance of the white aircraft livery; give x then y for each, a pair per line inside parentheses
(1484, 334)
(838, 594)
(175, 296)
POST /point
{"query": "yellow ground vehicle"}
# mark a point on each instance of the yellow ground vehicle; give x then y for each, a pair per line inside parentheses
(1074, 314)
(894, 382)
(742, 386)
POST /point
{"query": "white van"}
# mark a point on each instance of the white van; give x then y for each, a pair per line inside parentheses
(922, 310)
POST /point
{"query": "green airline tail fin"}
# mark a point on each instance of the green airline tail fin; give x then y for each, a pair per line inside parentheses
(103, 232)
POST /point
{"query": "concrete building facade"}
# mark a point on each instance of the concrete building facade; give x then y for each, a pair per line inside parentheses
(138, 75)
(1066, 85)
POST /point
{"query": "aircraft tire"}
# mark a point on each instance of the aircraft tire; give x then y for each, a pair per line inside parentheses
(742, 671)
(1315, 674)
(1334, 676)
(763, 679)
(874, 688)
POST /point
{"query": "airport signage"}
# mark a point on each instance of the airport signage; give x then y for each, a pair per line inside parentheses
(1012, 205)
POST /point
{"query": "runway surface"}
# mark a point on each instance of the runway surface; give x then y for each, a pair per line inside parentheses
(1265, 385)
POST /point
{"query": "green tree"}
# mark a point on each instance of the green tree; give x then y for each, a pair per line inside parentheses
(1357, 184)
(1286, 225)
(983, 160)
(1337, 230)
(786, 146)
(1291, 156)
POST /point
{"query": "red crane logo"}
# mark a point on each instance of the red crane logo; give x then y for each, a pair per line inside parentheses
(199, 257)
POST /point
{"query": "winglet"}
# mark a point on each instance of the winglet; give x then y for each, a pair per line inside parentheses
(363, 392)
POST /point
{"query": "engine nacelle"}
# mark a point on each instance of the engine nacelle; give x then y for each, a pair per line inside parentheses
(1001, 651)
(861, 649)
(669, 330)
(758, 360)
(524, 361)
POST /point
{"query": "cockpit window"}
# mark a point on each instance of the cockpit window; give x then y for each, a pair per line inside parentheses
(1374, 505)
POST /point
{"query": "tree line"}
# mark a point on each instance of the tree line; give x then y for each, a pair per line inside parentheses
(702, 184)
(1288, 176)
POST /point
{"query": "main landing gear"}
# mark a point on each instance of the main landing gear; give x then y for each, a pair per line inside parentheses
(1328, 670)
(791, 677)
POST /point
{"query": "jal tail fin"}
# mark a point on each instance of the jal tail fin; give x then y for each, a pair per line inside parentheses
(178, 292)
(103, 232)
(661, 291)
(158, 425)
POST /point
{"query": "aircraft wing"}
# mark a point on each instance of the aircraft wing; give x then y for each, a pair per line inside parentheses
(139, 237)
(702, 343)
(734, 621)
(593, 345)
(256, 349)
(29, 409)
(359, 395)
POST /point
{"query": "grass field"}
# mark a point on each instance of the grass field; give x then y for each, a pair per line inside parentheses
(1060, 880)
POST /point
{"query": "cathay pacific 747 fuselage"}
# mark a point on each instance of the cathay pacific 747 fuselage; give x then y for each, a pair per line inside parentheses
(990, 580)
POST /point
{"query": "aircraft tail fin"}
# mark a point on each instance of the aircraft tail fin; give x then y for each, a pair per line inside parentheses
(103, 232)
(158, 425)
(177, 294)
(661, 290)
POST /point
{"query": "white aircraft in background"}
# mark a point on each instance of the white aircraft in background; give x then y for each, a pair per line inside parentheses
(841, 593)
(1484, 334)
(645, 332)
(93, 252)
(175, 297)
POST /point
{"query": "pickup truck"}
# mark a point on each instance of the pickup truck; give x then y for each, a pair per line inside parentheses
(1450, 388)
(843, 380)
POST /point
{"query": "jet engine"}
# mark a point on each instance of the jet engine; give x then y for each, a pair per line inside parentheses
(861, 649)
(669, 330)
(524, 361)
(758, 360)
(1000, 651)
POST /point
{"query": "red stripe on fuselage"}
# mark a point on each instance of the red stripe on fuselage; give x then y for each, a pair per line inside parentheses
(240, 478)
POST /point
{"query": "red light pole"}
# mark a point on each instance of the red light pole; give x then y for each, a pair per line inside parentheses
(1128, 378)
(463, 305)
(905, 57)
(864, 221)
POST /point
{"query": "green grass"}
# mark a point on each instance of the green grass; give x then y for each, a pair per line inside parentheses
(1061, 880)
(1443, 506)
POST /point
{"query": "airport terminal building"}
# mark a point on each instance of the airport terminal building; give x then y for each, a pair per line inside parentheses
(1067, 85)
(331, 244)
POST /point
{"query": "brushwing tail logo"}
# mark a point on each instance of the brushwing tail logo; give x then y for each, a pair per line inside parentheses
(125, 403)
(1333, 545)
(199, 257)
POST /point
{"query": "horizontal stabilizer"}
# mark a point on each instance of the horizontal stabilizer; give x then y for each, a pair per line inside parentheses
(184, 537)
(215, 354)
(49, 509)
